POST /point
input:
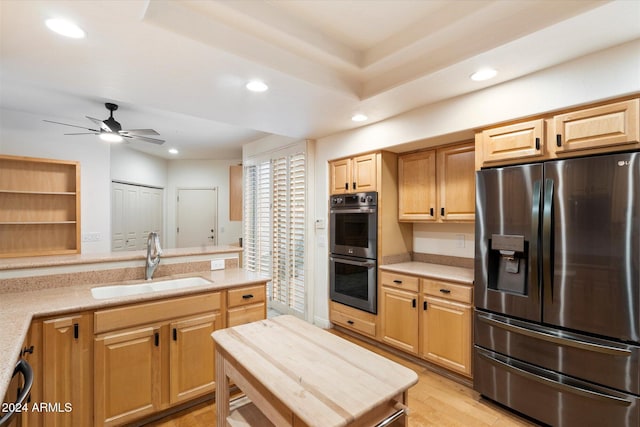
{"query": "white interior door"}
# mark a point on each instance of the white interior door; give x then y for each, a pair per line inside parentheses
(197, 217)
(135, 211)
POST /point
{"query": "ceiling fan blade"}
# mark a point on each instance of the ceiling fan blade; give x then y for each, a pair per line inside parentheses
(139, 132)
(146, 139)
(84, 133)
(73, 126)
(94, 120)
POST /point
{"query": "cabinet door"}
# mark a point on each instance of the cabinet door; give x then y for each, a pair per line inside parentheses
(446, 334)
(127, 375)
(456, 183)
(66, 365)
(340, 176)
(614, 126)
(417, 186)
(399, 319)
(245, 314)
(364, 173)
(518, 141)
(192, 371)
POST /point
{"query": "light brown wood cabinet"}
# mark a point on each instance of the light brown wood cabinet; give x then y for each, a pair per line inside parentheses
(523, 140)
(604, 128)
(127, 375)
(428, 318)
(352, 318)
(437, 185)
(445, 326)
(355, 174)
(399, 311)
(39, 206)
(246, 304)
(613, 125)
(151, 356)
(235, 193)
(67, 358)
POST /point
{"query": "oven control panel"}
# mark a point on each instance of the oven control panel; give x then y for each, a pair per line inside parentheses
(354, 200)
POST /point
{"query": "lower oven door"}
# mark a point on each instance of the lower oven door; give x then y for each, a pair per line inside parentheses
(353, 282)
(552, 398)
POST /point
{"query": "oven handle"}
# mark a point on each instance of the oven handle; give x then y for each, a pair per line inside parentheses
(354, 210)
(368, 264)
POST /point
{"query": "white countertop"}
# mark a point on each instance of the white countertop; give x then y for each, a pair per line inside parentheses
(17, 309)
(432, 271)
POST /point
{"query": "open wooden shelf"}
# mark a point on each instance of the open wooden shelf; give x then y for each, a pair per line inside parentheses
(39, 206)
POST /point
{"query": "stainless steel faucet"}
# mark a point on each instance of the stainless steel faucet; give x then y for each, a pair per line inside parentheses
(153, 245)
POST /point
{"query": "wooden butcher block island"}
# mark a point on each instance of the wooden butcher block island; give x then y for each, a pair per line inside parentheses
(296, 374)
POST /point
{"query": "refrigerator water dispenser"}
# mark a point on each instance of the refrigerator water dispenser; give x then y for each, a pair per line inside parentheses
(508, 263)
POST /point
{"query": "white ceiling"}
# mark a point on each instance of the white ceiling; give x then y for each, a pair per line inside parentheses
(180, 67)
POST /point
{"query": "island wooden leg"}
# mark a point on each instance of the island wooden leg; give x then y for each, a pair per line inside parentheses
(222, 391)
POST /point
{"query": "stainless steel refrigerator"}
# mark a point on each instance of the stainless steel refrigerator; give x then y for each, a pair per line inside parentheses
(557, 289)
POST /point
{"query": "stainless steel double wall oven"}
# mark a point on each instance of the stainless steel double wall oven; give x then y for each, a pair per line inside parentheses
(353, 244)
(557, 289)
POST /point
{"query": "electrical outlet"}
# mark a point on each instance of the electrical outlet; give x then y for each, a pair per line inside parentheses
(91, 237)
(217, 264)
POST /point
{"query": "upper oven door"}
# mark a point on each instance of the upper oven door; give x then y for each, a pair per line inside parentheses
(354, 231)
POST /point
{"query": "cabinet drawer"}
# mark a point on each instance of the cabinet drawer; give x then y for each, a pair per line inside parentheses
(450, 291)
(400, 281)
(245, 314)
(153, 312)
(247, 295)
(352, 318)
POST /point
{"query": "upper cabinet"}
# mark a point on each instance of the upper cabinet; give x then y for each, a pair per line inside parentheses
(608, 126)
(355, 174)
(39, 206)
(437, 185)
(601, 129)
(517, 141)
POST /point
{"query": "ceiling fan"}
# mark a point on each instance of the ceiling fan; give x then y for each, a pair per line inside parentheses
(111, 131)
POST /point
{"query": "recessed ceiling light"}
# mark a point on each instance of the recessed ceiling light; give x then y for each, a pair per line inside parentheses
(173, 151)
(483, 74)
(65, 28)
(110, 137)
(257, 86)
(359, 117)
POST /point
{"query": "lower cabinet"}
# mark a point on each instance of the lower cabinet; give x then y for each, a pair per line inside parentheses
(428, 318)
(127, 375)
(246, 304)
(191, 357)
(117, 365)
(446, 332)
(399, 313)
(160, 355)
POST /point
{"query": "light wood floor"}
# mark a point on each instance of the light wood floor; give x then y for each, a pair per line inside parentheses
(433, 401)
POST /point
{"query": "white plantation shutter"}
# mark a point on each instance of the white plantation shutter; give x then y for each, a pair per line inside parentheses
(274, 229)
(257, 223)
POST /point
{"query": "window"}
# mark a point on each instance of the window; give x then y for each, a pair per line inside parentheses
(275, 227)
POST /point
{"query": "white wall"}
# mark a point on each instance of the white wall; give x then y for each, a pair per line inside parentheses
(607, 74)
(134, 167)
(202, 174)
(23, 134)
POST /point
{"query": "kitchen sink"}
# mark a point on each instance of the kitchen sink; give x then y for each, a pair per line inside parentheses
(103, 292)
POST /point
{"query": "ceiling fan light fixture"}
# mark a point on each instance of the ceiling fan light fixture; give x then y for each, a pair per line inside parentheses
(111, 137)
(257, 86)
(483, 74)
(65, 28)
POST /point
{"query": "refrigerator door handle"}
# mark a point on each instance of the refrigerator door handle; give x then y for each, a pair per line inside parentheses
(547, 244)
(526, 330)
(591, 394)
(535, 235)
